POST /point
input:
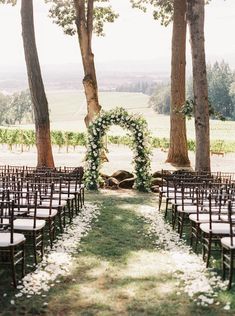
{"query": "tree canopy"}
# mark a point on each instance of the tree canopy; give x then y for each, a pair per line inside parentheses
(163, 9)
(63, 14)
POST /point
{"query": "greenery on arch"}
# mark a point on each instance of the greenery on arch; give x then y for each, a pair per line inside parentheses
(139, 134)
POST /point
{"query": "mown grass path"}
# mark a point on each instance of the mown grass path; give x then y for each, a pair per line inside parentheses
(118, 270)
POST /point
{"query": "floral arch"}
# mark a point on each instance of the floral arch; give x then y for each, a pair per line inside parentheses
(139, 136)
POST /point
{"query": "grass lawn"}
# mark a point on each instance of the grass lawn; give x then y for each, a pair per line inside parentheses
(118, 270)
(68, 109)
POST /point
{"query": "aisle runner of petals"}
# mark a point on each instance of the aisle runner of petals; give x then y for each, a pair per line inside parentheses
(59, 261)
(194, 278)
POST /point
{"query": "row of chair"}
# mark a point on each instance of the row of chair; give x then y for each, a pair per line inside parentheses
(205, 203)
(32, 202)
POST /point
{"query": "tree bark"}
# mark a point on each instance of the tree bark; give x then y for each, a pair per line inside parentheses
(200, 87)
(84, 23)
(178, 150)
(36, 87)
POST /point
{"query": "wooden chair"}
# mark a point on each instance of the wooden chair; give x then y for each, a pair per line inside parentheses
(12, 245)
(30, 226)
(228, 247)
(211, 233)
(47, 213)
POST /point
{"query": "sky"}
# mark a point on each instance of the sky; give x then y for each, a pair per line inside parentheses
(134, 36)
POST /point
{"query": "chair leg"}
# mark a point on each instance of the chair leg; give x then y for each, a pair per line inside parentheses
(76, 204)
(209, 251)
(223, 263)
(50, 232)
(193, 228)
(160, 201)
(197, 236)
(182, 224)
(78, 201)
(60, 219)
(13, 270)
(166, 208)
(179, 221)
(174, 215)
(70, 211)
(230, 270)
(35, 246)
(42, 243)
(64, 217)
(203, 246)
(23, 261)
(83, 197)
(73, 207)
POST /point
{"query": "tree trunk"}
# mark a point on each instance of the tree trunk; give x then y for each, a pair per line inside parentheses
(200, 87)
(84, 23)
(39, 100)
(178, 151)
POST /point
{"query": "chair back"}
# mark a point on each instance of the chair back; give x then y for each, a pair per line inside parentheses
(7, 214)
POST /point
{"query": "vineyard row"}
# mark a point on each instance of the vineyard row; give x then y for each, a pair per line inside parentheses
(26, 138)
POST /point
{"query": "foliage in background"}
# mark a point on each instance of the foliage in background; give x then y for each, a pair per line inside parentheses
(145, 87)
(221, 80)
(188, 110)
(221, 85)
(139, 135)
(16, 108)
(160, 100)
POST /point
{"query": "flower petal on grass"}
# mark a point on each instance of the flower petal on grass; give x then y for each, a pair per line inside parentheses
(59, 260)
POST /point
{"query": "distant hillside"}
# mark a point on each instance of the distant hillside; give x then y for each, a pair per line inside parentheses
(69, 76)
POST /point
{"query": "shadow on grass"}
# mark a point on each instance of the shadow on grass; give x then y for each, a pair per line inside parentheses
(118, 232)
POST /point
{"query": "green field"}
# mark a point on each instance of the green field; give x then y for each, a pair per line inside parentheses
(68, 109)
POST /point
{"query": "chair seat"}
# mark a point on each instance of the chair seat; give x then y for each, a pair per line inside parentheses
(203, 218)
(226, 242)
(55, 203)
(4, 221)
(5, 239)
(217, 228)
(27, 224)
(44, 213)
(187, 209)
(75, 191)
(19, 211)
(64, 196)
(74, 187)
(224, 218)
(172, 195)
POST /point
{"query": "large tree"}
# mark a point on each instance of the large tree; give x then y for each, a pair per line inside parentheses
(195, 16)
(83, 17)
(178, 150)
(36, 87)
(166, 11)
(84, 22)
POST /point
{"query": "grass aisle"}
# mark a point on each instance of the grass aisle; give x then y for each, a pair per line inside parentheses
(119, 270)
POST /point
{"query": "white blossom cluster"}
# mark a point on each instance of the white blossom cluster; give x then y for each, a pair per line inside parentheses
(199, 283)
(137, 127)
(58, 261)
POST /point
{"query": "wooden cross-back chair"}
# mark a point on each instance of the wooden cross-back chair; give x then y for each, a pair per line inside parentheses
(12, 245)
